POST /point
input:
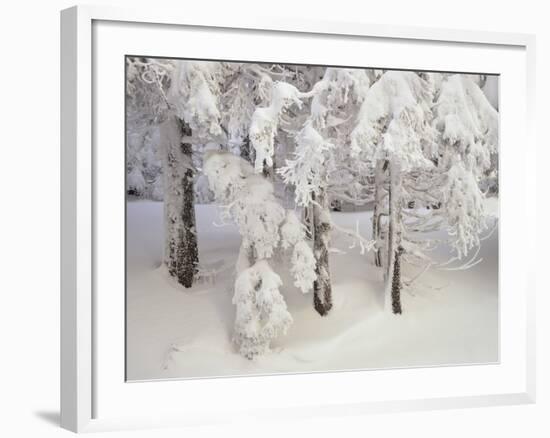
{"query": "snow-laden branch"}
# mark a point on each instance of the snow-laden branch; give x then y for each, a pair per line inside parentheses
(467, 122)
(194, 95)
(308, 169)
(392, 121)
(265, 122)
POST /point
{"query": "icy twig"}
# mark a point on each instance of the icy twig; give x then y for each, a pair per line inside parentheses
(409, 282)
(364, 244)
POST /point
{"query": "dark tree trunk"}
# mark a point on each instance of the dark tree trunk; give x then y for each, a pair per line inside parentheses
(307, 219)
(247, 151)
(394, 248)
(378, 210)
(181, 253)
(188, 254)
(322, 288)
(380, 169)
(376, 235)
(267, 171)
(396, 282)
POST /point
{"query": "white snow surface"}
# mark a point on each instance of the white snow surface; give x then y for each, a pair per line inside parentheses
(174, 332)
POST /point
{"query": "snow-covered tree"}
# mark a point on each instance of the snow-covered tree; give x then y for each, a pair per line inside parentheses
(261, 310)
(246, 86)
(146, 107)
(430, 138)
(307, 172)
(319, 150)
(468, 127)
(181, 251)
(395, 134)
(467, 122)
(191, 104)
(143, 165)
(194, 120)
(265, 226)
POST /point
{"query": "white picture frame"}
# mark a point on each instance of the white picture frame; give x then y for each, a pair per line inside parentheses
(86, 376)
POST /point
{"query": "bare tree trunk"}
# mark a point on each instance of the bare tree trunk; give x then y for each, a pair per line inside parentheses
(392, 299)
(378, 209)
(181, 251)
(322, 288)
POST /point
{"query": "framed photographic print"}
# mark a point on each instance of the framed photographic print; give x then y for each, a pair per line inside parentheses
(252, 209)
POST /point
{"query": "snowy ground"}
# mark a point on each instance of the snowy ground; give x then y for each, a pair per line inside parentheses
(450, 317)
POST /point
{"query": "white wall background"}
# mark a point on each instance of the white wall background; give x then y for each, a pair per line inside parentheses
(29, 218)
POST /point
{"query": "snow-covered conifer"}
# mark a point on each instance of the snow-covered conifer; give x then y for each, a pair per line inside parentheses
(180, 247)
(395, 134)
(147, 83)
(467, 122)
(313, 165)
(146, 107)
(264, 225)
(468, 127)
(261, 312)
(194, 120)
(195, 93)
(463, 207)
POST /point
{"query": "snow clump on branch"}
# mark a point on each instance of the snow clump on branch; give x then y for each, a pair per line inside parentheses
(265, 122)
(467, 121)
(261, 310)
(394, 121)
(194, 95)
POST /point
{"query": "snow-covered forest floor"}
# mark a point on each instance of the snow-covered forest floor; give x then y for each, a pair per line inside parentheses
(449, 317)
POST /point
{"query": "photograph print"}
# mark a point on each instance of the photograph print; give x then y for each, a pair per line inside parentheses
(303, 218)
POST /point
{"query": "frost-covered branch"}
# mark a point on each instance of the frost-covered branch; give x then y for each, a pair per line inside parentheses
(365, 244)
